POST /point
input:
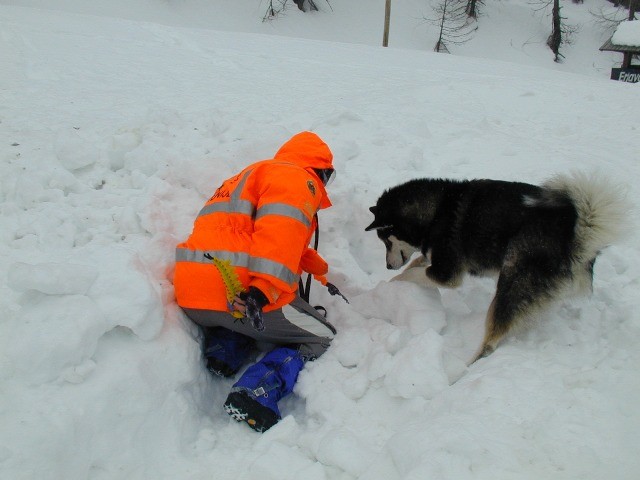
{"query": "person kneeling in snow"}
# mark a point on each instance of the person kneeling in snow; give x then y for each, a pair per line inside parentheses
(237, 274)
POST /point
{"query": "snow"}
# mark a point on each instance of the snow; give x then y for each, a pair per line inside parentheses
(627, 33)
(115, 131)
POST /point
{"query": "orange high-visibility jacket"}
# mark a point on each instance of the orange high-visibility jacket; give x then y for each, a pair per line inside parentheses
(261, 221)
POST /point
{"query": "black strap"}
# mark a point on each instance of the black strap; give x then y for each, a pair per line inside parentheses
(305, 291)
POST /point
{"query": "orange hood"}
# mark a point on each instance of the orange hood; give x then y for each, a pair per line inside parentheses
(307, 150)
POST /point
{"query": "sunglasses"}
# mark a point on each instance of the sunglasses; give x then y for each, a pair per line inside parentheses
(327, 175)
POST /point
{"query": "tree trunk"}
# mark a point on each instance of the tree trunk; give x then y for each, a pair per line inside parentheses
(444, 15)
(555, 39)
(471, 8)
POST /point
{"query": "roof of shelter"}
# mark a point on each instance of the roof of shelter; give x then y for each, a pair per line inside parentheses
(626, 38)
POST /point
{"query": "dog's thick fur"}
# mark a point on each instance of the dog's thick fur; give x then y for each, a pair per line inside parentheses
(540, 240)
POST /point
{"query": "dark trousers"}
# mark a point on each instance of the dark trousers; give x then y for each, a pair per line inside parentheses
(298, 325)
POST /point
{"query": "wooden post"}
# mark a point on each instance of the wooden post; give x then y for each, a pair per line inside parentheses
(387, 16)
(626, 61)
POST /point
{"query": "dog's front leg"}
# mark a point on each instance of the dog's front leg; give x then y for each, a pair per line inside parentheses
(446, 268)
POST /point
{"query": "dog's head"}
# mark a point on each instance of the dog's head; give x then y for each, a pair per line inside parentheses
(395, 237)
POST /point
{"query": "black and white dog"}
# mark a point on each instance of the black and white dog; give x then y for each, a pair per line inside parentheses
(542, 241)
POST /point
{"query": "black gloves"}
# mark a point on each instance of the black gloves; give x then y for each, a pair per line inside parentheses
(254, 301)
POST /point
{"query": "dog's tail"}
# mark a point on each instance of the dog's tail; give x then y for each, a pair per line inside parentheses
(602, 208)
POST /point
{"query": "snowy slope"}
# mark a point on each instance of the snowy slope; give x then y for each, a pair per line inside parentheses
(115, 131)
(508, 30)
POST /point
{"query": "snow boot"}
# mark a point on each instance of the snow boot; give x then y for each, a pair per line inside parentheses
(254, 397)
(225, 350)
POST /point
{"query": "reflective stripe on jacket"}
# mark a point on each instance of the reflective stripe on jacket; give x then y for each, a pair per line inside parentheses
(261, 221)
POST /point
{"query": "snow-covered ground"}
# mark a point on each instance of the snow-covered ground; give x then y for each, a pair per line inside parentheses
(114, 131)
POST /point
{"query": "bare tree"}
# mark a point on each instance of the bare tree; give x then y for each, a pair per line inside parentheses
(555, 39)
(472, 8)
(455, 26)
(609, 19)
(306, 5)
(276, 7)
(561, 32)
(274, 10)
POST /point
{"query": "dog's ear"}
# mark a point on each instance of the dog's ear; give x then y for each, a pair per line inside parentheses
(377, 225)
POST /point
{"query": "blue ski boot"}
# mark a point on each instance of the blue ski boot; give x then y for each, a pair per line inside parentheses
(254, 398)
(225, 350)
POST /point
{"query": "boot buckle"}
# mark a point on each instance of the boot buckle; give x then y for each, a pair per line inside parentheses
(258, 392)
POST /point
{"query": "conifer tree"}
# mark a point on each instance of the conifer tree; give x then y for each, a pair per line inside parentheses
(455, 26)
